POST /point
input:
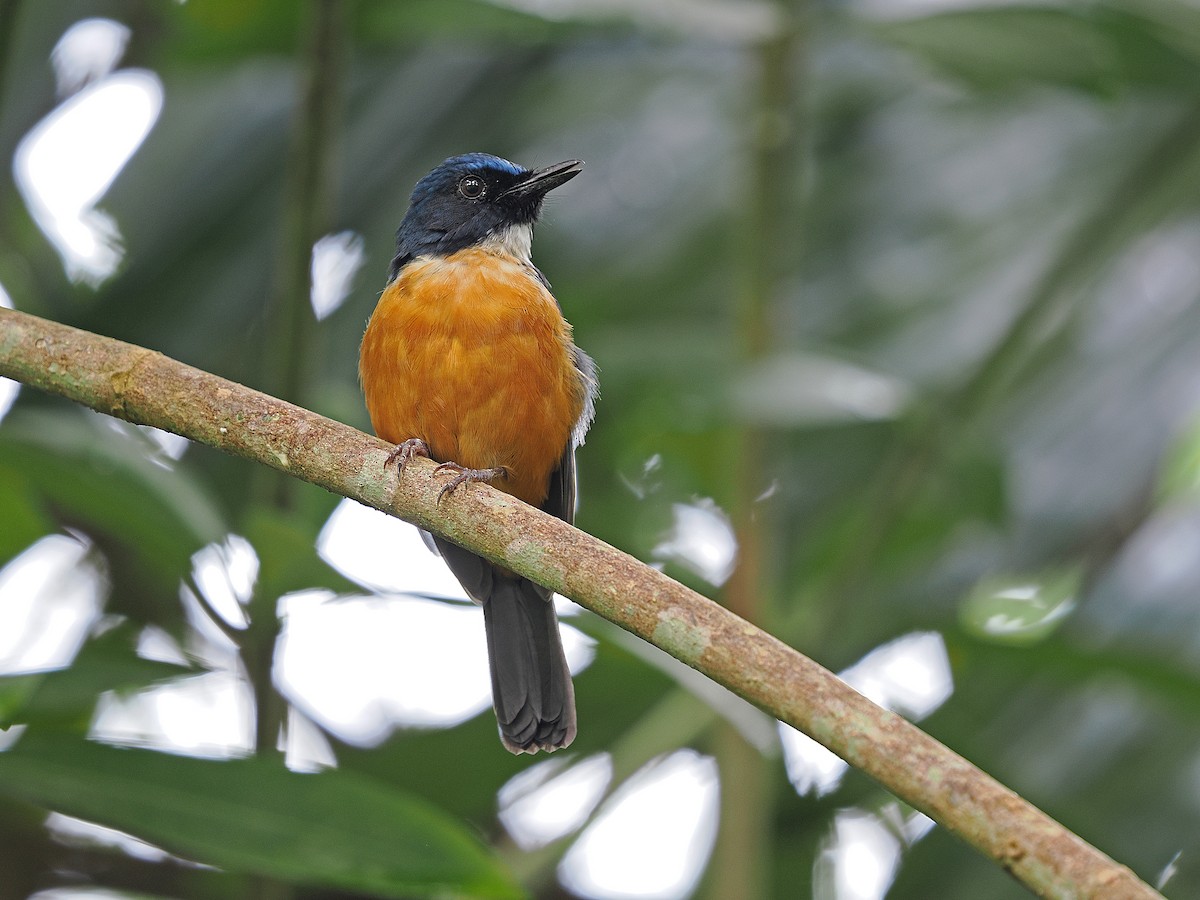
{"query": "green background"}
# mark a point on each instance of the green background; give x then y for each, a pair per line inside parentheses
(996, 209)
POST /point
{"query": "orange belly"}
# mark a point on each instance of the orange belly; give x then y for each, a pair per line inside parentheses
(470, 353)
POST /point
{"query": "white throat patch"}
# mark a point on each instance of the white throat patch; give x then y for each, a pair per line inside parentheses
(515, 240)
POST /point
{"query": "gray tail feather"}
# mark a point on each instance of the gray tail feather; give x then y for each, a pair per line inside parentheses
(531, 684)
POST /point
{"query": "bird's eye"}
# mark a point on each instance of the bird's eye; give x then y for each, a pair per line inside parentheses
(472, 187)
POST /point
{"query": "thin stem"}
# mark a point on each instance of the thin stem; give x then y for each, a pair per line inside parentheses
(308, 205)
(308, 201)
(291, 326)
(236, 635)
(741, 859)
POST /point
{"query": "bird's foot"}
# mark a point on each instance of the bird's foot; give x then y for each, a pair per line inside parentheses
(405, 451)
(463, 475)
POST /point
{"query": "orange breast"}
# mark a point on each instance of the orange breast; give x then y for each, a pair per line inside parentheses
(470, 353)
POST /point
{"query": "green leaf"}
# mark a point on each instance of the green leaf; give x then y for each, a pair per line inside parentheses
(997, 48)
(147, 519)
(1180, 475)
(1064, 659)
(332, 828)
(1102, 51)
(464, 19)
(219, 30)
(106, 663)
(23, 521)
(15, 693)
(969, 487)
(103, 474)
(1015, 609)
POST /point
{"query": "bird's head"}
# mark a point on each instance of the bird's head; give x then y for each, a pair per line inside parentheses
(475, 199)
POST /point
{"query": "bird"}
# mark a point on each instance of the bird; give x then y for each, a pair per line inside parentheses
(468, 360)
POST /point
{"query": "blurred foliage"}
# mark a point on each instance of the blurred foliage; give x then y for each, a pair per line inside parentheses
(254, 815)
(970, 239)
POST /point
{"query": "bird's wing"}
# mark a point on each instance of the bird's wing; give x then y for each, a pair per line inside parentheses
(560, 500)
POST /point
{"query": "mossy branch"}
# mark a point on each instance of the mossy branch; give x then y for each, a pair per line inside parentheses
(145, 387)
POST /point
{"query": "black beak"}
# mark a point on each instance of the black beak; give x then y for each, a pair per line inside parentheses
(540, 181)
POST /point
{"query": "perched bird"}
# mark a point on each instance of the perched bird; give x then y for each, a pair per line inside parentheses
(468, 360)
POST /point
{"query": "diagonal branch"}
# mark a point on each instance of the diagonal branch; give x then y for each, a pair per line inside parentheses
(142, 386)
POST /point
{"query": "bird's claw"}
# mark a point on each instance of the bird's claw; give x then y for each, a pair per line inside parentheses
(464, 475)
(405, 451)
